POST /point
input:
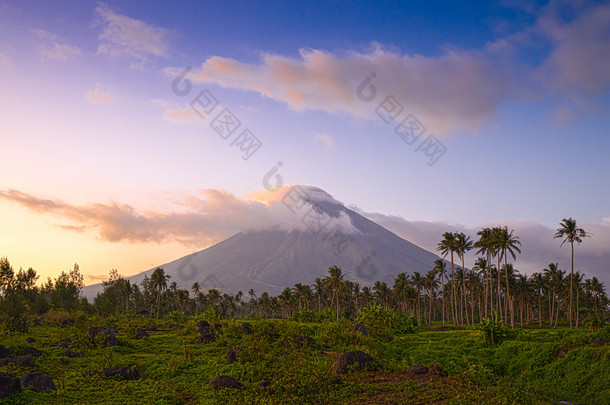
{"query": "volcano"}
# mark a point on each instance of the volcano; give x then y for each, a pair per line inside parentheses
(328, 233)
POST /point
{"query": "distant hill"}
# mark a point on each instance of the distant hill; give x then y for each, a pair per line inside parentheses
(270, 260)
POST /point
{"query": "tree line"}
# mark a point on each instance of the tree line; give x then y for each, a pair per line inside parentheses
(448, 292)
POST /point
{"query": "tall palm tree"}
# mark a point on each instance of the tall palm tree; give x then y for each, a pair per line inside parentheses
(158, 282)
(486, 246)
(571, 233)
(508, 244)
(537, 282)
(441, 268)
(382, 293)
(195, 288)
(417, 280)
(334, 282)
(463, 245)
(445, 246)
(431, 284)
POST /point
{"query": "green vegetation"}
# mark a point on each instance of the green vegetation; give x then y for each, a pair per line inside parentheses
(486, 335)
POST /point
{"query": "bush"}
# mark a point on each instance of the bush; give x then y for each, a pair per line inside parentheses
(494, 331)
(379, 320)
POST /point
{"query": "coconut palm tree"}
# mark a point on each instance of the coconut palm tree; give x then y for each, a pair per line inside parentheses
(334, 282)
(463, 244)
(431, 284)
(158, 282)
(445, 246)
(508, 244)
(537, 282)
(487, 246)
(571, 233)
(417, 281)
(441, 268)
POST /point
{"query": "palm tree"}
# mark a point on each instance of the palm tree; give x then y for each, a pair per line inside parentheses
(158, 282)
(537, 282)
(445, 246)
(335, 283)
(571, 233)
(382, 293)
(508, 244)
(441, 267)
(463, 244)
(487, 246)
(195, 288)
(431, 284)
(417, 280)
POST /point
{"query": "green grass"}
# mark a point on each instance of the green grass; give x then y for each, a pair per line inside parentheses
(176, 370)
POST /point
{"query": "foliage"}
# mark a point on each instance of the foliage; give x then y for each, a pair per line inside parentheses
(379, 320)
(493, 330)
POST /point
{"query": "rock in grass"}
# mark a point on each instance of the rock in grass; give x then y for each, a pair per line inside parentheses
(361, 328)
(246, 328)
(30, 340)
(438, 370)
(9, 383)
(38, 382)
(202, 327)
(21, 361)
(151, 328)
(32, 351)
(66, 322)
(141, 333)
(417, 369)
(110, 340)
(304, 341)
(122, 373)
(4, 352)
(231, 356)
(357, 358)
(225, 381)
(206, 338)
(600, 341)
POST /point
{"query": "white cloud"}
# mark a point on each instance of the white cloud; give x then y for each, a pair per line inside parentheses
(579, 60)
(326, 140)
(458, 90)
(125, 36)
(176, 113)
(50, 47)
(98, 96)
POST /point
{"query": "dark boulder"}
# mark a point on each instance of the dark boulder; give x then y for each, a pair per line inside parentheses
(437, 369)
(417, 369)
(4, 352)
(303, 341)
(246, 328)
(361, 328)
(231, 356)
(141, 333)
(9, 383)
(122, 373)
(601, 341)
(357, 360)
(32, 351)
(202, 327)
(225, 381)
(110, 340)
(206, 338)
(37, 382)
(30, 340)
(22, 361)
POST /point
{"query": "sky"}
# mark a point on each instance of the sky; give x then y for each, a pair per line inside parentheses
(133, 133)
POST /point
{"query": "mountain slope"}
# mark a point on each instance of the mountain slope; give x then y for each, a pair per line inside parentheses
(270, 260)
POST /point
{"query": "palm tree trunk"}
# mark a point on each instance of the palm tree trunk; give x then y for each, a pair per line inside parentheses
(571, 281)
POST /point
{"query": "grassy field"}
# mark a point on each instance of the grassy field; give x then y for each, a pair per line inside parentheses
(532, 366)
